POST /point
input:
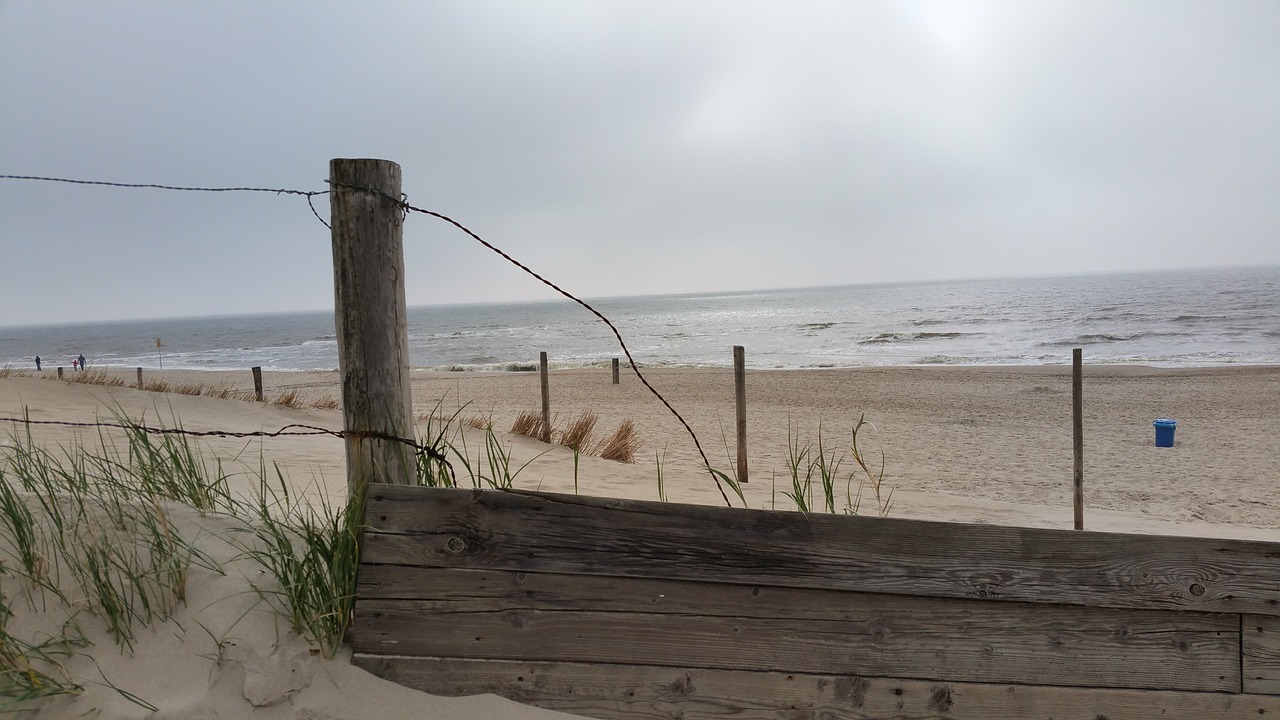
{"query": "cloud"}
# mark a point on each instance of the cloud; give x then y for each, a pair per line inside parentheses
(633, 147)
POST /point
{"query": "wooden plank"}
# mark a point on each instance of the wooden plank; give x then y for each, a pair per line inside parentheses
(633, 692)
(453, 590)
(1260, 658)
(544, 532)
(806, 631)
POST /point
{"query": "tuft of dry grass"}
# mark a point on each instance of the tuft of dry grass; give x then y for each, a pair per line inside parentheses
(327, 402)
(622, 445)
(9, 371)
(577, 434)
(479, 422)
(162, 386)
(288, 398)
(528, 423)
(224, 392)
(96, 377)
(194, 389)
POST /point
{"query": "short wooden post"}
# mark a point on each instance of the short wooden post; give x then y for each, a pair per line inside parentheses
(139, 378)
(615, 371)
(1077, 432)
(257, 383)
(546, 397)
(740, 392)
(370, 317)
(59, 372)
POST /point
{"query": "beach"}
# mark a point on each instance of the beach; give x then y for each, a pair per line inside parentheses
(970, 444)
(977, 438)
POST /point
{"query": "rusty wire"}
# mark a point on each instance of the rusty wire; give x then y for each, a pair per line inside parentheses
(293, 429)
(308, 194)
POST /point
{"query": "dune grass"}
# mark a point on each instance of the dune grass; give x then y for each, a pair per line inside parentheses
(529, 424)
(577, 432)
(811, 466)
(88, 537)
(622, 445)
(328, 402)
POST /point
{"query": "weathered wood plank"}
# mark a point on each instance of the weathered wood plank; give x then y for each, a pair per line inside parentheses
(570, 534)
(1261, 654)
(860, 634)
(455, 590)
(633, 692)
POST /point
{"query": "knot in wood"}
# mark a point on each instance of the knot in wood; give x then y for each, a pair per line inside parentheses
(456, 544)
(1197, 589)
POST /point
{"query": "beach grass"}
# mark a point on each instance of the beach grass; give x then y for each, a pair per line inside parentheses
(622, 445)
(90, 533)
(577, 433)
(528, 423)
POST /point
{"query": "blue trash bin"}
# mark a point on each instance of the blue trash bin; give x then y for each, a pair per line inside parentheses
(1164, 431)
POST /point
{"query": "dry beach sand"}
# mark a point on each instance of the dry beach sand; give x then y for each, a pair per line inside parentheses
(962, 444)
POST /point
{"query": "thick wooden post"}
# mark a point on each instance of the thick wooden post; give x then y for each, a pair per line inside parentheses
(59, 372)
(546, 397)
(1077, 433)
(740, 393)
(371, 319)
(257, 383)
(615, 371)
(139, 378)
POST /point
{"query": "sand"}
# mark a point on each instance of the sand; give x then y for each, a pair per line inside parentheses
(990, 445)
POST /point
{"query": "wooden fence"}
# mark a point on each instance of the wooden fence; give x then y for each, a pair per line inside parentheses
(627, 609)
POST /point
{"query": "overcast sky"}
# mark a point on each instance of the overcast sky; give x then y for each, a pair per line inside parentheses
(627, 148)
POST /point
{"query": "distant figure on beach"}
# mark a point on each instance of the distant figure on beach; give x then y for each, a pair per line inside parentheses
(74, 365)
(37, 363)
(81, 359)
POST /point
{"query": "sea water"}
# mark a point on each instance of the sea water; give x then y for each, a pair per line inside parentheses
(1169, 319)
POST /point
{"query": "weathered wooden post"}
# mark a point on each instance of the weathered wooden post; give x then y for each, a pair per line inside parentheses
(139, 378)
(371, 319)
(1077, 432)
(257, 383)
(740, 392)
(59, 372)
(546, 397)
(615, 371)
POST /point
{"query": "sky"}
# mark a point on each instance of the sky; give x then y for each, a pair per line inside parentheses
(628, 147)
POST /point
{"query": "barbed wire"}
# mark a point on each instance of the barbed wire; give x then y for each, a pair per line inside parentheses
(403, 203)
(308, 194)
(292, 429)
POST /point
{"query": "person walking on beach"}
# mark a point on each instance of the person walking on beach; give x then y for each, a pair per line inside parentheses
(37, 363)
(81, 359)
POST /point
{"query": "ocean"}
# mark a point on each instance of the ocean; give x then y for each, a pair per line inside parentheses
(1165, 319)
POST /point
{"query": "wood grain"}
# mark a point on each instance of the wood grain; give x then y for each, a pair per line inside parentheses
(517, 616)
(1260, 658)
(633, 692)
(542, 532)
(371, 318)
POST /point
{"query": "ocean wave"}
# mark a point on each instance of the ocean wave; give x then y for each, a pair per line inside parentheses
(1093, 339)
(890, 338)
(1108, 338)
(484, 367)
(968, 360)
